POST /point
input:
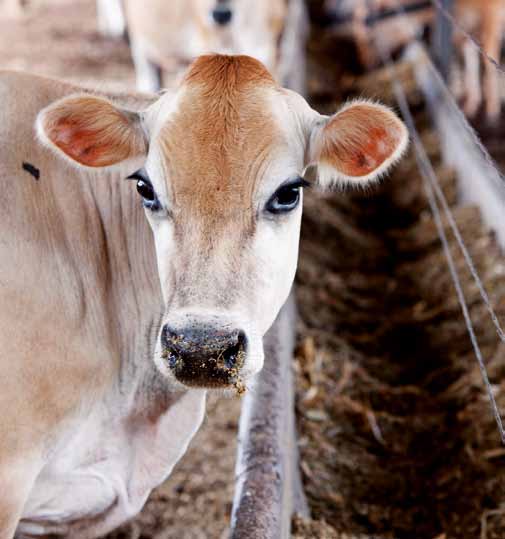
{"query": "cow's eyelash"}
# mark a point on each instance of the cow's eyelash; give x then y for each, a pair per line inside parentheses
(139, 175)
(298, 182)
(146, 190)
(287, 197)
(294, 183)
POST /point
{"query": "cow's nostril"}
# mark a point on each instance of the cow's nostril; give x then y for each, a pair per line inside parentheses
(222, 15)
(234, 354)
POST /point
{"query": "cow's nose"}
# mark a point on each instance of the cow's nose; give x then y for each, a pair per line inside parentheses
(204, 356)
(222, 15)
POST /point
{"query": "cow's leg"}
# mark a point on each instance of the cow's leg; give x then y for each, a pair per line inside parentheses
(111, 18)
(17, 480)
(362, 35)
(13, 8)
(148, 74)
(492, 28)
(473, 92)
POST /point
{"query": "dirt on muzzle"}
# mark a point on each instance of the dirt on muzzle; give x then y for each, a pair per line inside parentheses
(205, 364)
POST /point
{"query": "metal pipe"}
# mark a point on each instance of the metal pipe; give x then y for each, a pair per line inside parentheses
(268, 489)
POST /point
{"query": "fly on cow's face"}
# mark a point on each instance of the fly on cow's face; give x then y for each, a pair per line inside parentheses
(146, 190)
(34, 171)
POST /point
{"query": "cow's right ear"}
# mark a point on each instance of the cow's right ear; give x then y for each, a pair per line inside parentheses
(91, 131)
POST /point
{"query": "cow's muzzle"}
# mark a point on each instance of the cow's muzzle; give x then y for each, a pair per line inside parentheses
(204, 356)
(222, 14)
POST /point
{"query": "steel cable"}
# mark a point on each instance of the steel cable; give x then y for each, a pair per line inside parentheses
(433, 192)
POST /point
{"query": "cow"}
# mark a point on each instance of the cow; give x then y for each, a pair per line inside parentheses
(111, 19)
(394, 22)
(148, 244)
(167, 36)
(486, 21)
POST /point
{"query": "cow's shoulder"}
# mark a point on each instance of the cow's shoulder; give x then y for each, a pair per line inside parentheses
(16, 86)
(32, 91)
(23, 95)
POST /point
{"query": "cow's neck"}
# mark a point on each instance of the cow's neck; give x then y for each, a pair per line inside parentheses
(158, 422)
(134, 298)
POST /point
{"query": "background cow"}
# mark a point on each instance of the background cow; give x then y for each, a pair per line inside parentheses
(167, 36)
(111, 19)
(123, 302)
(485, 20)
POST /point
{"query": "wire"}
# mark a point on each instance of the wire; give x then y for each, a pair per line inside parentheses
(386, 58)
(450, 17)
(432, 188)
(459, 114)
(457, 234)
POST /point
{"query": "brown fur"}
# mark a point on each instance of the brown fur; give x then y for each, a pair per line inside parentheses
(219, 72)
(215, 146)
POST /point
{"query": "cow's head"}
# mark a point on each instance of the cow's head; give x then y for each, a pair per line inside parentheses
(220, 174)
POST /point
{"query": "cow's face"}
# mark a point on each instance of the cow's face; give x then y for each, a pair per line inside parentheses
(220, 176)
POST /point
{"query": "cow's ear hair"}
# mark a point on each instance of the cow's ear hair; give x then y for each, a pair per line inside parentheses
(91, 131)
(357, 145)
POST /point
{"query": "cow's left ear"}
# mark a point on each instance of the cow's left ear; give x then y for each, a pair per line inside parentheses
(356, 145)
(91, 131)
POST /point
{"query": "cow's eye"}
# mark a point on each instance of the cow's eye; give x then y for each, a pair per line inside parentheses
(146, 190)
(287, 197)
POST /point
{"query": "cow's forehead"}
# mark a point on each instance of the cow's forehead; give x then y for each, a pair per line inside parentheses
(217, 142)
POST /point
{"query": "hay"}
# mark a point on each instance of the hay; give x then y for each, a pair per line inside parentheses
(397, 437)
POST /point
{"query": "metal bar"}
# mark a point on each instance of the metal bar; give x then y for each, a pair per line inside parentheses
(335, 18)
(268, 489)
(479, 180)
(441, 45)
(408, 9)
